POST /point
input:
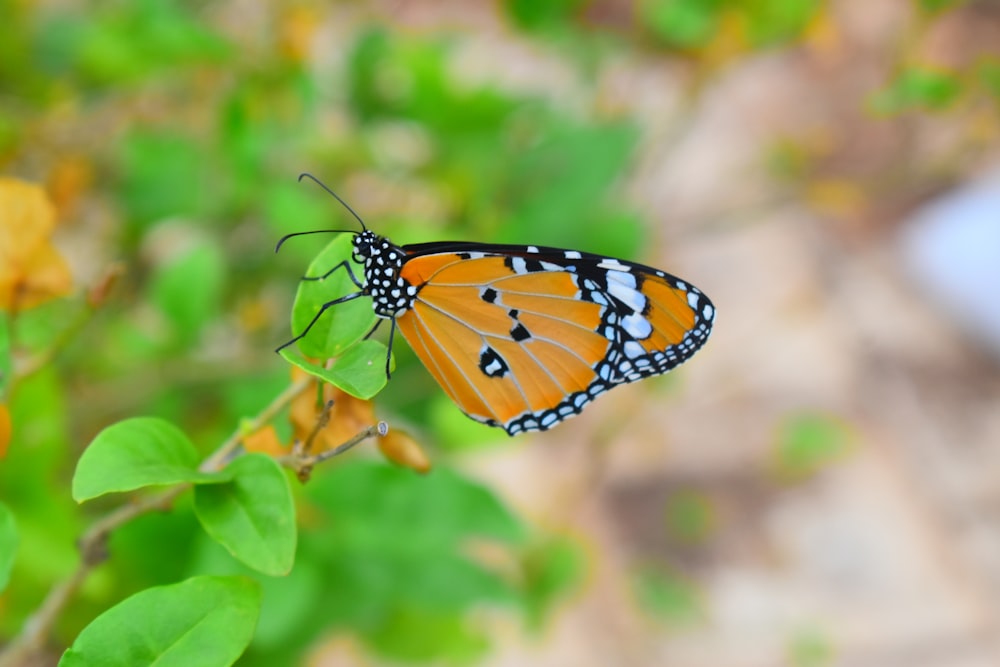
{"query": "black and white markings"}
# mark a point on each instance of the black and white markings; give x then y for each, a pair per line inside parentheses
(491, 363)
(519, 333)
(616, 286)
(390, 293)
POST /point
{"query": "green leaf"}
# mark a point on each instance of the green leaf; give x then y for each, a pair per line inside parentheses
(188, 289)
(137, 452)
(252, 515)
(917, 88)
(341, 325)
(204, 621)
(8, 544)
(360, 371)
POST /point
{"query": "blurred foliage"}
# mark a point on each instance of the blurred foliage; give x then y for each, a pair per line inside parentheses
(530, 14)
(668, 596)
(188, 142)
(811, 648)
(167, 136)
(917, 88)
(696, 24)
(938, 5)
(807, 443)
(690, 517)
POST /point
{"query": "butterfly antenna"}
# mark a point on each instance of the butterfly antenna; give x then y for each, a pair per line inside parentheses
(284, 238)
(343, 203)
(333, 194)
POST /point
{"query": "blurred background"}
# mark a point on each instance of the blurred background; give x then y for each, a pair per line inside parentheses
(819, 486)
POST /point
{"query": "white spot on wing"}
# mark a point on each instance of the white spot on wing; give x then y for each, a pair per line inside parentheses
(633, 349)
(637, 326)
(612, 264)
(627, 295)
(625, 279)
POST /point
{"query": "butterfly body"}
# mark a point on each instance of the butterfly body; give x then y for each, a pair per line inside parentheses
(524, 337)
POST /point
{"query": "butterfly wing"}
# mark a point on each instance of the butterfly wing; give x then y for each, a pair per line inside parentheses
(524, 337)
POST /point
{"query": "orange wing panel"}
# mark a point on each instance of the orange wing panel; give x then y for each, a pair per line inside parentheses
(586, 343)
(450, 323)
(449, 269)
(450, 351)
(669, 314)
(554, 283)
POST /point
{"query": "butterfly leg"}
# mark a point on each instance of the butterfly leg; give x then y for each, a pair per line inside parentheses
(319, 314)
(371, 331)
(345, 264)
(388, 354)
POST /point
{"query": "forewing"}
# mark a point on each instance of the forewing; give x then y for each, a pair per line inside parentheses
(523, 338)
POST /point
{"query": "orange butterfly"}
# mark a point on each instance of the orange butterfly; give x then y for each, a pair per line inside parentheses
(523, 337)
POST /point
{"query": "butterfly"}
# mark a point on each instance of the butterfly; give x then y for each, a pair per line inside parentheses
(522, 337)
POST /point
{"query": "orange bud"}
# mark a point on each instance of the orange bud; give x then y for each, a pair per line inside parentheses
(403, 450)
(348, 415)
(265, 441)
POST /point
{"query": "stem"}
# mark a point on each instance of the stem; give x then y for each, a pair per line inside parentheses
(93, 543)
(302, 462)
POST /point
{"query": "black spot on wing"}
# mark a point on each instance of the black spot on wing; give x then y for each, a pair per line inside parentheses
(492, 364)
(519, 333)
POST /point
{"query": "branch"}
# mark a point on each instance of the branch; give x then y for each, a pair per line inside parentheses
(302, 462)
(93, 543)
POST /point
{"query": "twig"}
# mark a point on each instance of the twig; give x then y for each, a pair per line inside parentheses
(224, 453)
(304, 448)
(303, 463)
(93, 543)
